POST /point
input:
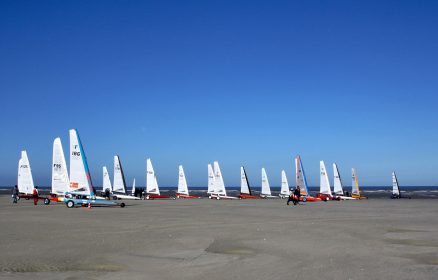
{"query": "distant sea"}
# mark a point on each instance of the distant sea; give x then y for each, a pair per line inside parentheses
(417, 192)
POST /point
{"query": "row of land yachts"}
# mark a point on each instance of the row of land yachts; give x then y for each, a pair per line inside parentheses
(77, 189)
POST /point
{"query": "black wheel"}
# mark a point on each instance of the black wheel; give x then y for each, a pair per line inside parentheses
(304, 199)
(70, 204)
(114, 197)
(122, 204)
(27, 198)
(46, 201)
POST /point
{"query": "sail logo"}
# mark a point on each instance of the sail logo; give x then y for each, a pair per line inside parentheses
(74, 153)
(57, 166)
(24, 166)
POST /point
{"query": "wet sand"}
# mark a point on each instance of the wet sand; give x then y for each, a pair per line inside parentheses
(209, 239)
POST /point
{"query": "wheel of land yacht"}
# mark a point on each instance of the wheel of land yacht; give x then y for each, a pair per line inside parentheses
(147, 197)
(46, 201)
(122, 205)
(304, 199)
(27, 198)
(70, 204)
(114, 197)
(218, 198)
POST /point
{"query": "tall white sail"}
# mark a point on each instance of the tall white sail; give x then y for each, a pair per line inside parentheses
(266, 189)
(80, 179)
(151, 179)
(301, 180)
(219, 180)
(211, 183)
(119, 185)
(337, 181)
(133, 187)
(25, 180)
(60, 180)
(355, 183)
(106, 180)
(284, 184)
(244, 185)
(395, 186)
(182, 182)
(324, 183)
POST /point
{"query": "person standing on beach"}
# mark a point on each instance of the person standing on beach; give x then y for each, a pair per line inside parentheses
(297, 194)
(291, 197)
(15, 194)
(35, 195)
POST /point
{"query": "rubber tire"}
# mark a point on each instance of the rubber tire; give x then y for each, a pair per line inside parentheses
(115, 198)
(46, 201)
(147, 197)
(70, 204)
(304, 199)
(122, 205)
(27, 198)
(218, 198)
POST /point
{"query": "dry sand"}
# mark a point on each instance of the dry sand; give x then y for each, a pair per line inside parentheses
(209, 239)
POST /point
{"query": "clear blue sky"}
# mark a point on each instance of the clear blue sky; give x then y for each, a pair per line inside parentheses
(241, 82)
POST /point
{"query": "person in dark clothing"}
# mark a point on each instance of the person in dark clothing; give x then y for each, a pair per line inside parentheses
(291, 197)
(297, 194)
(15, 194)
(107, 194)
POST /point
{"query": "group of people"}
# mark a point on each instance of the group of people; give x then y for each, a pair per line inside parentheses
(16, 195)
(294, 196)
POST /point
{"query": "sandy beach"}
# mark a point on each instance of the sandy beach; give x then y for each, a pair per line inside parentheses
(200, 238)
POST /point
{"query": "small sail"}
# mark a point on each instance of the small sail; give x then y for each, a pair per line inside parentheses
(60, 180)
(219, 180)
(151, 179)
(301, 180)
(106, 181)
(133, 187)
(395, 186)
(211, 183)
(119, 178)
(80, 179)
(244, 185)
(324, 183)
(25, 180)
(355, 183)
(284, 184)
(266, 189)
(182, 182)
(337, 181)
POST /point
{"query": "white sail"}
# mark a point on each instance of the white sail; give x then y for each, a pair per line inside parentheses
(337, 181)
(211, 183)
(119, 185)
(133, 187)
(395, 186)
(151, 179)
(219, 180)
(25, 180)
(284, 184)
(106, 181)
(301, 180)
(60, 180)
(182, 182)
(80, 180)
(355, 183)
(266, 189)
(244, 185)
(324, 183)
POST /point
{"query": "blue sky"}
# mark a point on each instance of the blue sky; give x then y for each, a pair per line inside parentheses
(243, 82)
